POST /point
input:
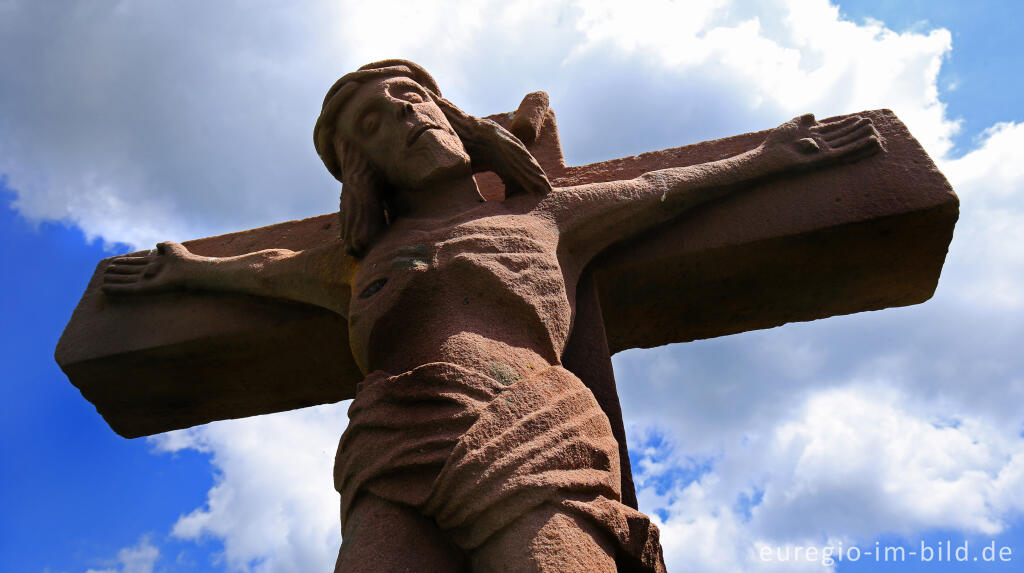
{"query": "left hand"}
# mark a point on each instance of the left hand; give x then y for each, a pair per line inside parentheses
(803, 142)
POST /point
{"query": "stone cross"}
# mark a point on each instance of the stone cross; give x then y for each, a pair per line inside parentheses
(850, 238)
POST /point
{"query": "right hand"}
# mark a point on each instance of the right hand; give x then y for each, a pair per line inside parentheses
(162, 269)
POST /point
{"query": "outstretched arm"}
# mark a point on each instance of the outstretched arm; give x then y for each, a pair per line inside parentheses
(592, 217)
(318, 276)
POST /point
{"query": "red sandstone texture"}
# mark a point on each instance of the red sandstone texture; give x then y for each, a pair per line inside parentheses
(863, 236)
(484, 329)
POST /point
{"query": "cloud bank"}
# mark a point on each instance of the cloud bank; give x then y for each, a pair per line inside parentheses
(139, 558)
(141, 123)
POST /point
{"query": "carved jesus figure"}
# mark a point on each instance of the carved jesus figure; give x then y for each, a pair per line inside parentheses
(469, 447)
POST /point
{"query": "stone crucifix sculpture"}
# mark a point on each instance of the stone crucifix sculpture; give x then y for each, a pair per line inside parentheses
(485, 433)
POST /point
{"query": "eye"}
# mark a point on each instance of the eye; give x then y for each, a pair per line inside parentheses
(369, 123)
(412, 97)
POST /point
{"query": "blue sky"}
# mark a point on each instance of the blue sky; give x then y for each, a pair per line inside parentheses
(123, 124)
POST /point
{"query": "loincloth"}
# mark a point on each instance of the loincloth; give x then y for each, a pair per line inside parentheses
(476, 454)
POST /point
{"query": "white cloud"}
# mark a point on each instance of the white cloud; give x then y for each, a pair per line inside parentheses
(776, 59)
(989, 263)
(273, 503)
(140, 123)
(854, 463)
(139, 558)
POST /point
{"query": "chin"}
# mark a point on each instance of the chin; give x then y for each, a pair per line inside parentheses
(447, 172)
(438, 164)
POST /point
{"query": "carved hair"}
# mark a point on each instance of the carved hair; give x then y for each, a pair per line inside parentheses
(364, 211)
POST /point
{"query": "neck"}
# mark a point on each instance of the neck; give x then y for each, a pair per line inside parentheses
(440, 200)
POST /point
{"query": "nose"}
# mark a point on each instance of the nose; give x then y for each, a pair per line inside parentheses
(402, 108)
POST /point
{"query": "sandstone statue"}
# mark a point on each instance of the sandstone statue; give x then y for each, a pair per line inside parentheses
(470, 446)
(467, 437)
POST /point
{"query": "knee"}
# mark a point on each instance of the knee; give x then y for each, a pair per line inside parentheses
(381, 536)
(547, 539)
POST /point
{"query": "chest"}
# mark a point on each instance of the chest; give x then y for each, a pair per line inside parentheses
(508, 248)
(497, 277)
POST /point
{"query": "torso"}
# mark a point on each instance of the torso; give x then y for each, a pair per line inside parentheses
(484, 290)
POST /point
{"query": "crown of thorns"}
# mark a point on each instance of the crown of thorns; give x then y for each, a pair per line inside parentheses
(342, 90)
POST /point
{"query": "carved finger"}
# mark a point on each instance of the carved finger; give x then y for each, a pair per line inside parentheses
(118, 269)
(860, 149)
(847, 129)
(119, 289)
(849, 137)
(837, 126)
(130, 260)
(120, 279)
(806, 120)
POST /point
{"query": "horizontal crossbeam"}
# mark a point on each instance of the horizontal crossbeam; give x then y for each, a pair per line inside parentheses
(856, 237)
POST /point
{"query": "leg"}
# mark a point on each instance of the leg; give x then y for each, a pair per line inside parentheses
(547, 540)
(384, 537)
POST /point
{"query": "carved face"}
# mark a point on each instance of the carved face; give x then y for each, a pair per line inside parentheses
(403, 133)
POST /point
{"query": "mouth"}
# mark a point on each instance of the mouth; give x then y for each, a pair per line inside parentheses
(419, 130)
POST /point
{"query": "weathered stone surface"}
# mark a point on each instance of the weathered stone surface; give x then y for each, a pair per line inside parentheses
(496, 463)
(178, 359)
(856, 237)
(863, 236)
(136, 360)
(464, 316)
